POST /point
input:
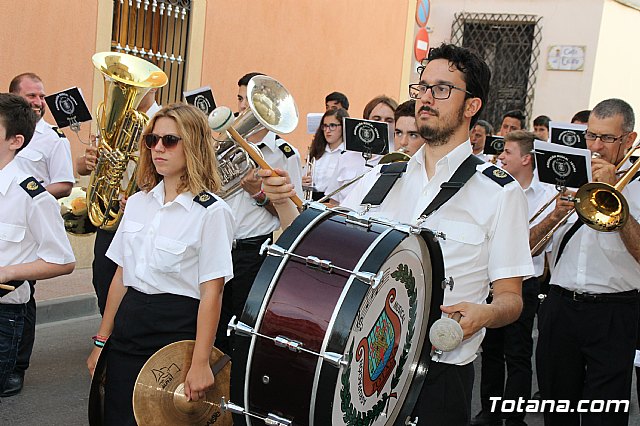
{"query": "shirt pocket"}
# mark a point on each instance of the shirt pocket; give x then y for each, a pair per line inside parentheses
(167, 254)
(463, 243)
(11, 236)
(129, 231)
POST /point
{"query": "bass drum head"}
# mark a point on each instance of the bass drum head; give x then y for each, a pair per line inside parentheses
(386, 344)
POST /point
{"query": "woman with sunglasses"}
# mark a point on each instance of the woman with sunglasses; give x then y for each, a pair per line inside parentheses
(325, 149)
(173, 251)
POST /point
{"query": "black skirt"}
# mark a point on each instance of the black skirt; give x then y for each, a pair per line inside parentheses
(143, 324)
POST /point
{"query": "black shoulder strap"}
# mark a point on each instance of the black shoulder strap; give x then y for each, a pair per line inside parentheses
(567, 236)
(32, 186)
(388, 177)
(59, 132)
(448, 189)
(286, 149)
(205, 199)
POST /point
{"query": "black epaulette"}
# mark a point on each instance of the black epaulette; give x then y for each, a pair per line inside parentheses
(498, 175)
(205, 199)
(286, 149)
(32, 186)
(59, 132)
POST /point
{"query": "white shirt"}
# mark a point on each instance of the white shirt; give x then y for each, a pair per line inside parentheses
(173, 247)
(253, 220)
(153, 109)
(351, 165)
(324, 170)
(47, 157)
(597, 262)
(31, 228)
(538, 194)
(487, 235)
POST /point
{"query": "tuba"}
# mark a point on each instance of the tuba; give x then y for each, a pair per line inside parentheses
(127, 79)
(272, 107)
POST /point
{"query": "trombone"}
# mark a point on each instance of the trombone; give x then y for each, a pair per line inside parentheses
(599, 205)
(560, 190)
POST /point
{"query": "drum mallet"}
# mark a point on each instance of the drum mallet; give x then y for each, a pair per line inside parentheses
(446, 334)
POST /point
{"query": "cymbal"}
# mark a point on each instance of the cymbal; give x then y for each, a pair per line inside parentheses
(158, 395)
(96, 394)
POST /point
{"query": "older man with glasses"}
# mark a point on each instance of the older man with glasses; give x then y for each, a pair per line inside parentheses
(589, 322)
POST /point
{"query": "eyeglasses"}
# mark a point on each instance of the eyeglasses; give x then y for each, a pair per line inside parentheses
(438, 91)
(330, 126)
(168, 141)
(604, 138)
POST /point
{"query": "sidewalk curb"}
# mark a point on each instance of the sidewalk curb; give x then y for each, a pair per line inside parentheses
(65, 308)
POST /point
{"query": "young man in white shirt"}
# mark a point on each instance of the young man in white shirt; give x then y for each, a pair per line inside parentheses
(485, 222)
(33, 243)
(48, 159)
(513, 344)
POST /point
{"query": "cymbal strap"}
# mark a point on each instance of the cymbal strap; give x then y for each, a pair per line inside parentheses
(219, 365)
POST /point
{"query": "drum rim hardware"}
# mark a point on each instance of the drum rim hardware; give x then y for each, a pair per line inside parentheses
(271, 419)
(242, 329)
(322, 265)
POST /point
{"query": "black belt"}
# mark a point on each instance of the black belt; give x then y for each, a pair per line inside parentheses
(252, 243)
(621, 297)
(316, 195)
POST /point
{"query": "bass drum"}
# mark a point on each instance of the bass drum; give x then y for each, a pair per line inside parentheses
(346, 352)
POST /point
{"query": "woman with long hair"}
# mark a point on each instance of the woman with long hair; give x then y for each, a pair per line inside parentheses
(325, 149)
(173, 251)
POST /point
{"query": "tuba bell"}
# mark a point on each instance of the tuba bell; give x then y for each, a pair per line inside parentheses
(127, 79)
(272, 107)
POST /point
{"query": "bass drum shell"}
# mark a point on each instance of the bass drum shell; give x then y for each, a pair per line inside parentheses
(381, 332)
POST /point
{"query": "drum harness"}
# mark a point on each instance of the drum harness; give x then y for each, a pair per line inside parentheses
(390, 173)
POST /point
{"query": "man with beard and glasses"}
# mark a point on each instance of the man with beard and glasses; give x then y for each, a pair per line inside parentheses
(485, 221)
(48, 159)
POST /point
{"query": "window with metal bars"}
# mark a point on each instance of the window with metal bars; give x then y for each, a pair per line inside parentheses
(510, 44)
(155, 30)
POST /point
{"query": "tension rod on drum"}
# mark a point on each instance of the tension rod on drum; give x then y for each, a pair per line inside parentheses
(322, 265)
(284, 342)
(271, 419)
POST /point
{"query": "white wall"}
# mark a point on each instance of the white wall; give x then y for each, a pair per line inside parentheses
(558, 94)
(617, 70)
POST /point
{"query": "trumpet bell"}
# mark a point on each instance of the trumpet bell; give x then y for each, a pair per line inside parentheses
(601, 207)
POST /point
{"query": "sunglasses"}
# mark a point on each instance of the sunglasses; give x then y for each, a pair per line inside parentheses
(168, 141)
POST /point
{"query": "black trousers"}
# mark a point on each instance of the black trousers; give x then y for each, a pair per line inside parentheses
(445, 398)
(25, 348)
(246, 264)
(511, 345)
(103, 268)
(585, 351)
(143, 324)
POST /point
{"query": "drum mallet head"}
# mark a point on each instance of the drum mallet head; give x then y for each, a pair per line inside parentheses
(446, 334)
(221, 119)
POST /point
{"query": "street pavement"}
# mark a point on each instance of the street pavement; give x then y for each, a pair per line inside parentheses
(57, 384)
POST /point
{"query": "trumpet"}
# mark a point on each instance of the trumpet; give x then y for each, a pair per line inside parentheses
(599, 205)
(310, 164)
